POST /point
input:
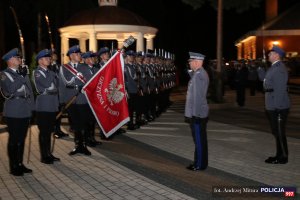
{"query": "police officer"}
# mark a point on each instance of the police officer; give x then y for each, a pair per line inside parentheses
(196, 110)
(89, 60)
(46, 83)
(54, 66)
(18, 107)
(73, 83)
(142, 90)
(104, 56)
(131, 88)
(277, 103)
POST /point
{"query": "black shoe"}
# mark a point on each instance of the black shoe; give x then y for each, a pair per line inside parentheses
(47, 160)
(77, 149)
(94, 141)
(57, 135)
(270, 159)
(277, 161)
(17, 171)
(25, 169)
(54, 158)
(63, 134)
(86, 151)
(193, 168)
(60, 134)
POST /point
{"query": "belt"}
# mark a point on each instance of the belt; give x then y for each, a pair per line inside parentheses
(70, 86)
(21, 97)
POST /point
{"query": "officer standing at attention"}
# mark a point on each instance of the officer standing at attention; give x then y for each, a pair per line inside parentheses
(18, 107)
(54, 66)
(46, 83)
(131, 88)
(89, 60)
(277, 103)
(73, 83)
(196, 109)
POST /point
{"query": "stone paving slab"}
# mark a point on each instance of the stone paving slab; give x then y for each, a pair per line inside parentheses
(76, 177)
(232, 149)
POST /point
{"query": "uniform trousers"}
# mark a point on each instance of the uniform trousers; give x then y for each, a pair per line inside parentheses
(198, 127)
(79, 115)
(277, 119)
(132, 107)
(46, 124)
(17, 130)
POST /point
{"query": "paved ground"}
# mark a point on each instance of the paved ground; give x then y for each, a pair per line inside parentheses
(149, 163)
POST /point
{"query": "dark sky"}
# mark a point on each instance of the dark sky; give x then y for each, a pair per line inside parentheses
(181, 29)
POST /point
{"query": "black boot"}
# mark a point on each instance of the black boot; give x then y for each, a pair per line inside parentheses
(45, 158)
(22, 166)
(78, 143)
(49, 154)
(15, 169)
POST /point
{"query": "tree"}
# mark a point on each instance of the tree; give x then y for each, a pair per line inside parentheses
(240, 6)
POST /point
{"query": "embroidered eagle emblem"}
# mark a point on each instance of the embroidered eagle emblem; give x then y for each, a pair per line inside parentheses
(114, 95)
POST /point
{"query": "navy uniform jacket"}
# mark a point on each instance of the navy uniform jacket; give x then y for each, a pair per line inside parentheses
(70, 85)
(20, 101)
(196, 102)
(130, 78)
(150, 76)
(275, 84)
(46, 85)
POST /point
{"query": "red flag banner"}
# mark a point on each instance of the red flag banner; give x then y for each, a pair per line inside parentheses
(105, 93)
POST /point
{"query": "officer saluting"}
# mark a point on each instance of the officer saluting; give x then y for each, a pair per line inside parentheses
(277, 103)
(196, 109)
(46, 83)
(18, 106)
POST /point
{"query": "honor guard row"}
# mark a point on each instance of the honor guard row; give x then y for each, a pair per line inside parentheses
(148, 82)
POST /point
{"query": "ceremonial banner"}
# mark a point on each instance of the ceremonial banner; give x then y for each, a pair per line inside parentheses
(105, 93)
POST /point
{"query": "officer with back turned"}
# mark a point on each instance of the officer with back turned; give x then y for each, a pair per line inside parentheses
(18, 107)
(46, 84)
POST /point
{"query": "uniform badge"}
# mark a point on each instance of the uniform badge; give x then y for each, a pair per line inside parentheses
(37, 75)
(3, 77)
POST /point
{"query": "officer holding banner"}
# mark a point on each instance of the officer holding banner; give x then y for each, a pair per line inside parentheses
(46, 83)
(73, 76)
(18, 107)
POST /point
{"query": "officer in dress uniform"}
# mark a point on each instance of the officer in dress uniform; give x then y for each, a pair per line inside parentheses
(89, 60)
(277, 103)
(131, 88)
(18, 107)
(77, 111)
(142, 90)
(104, 56)
(46, 84)
(151, 87)
(54, 66)
(196, 110)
